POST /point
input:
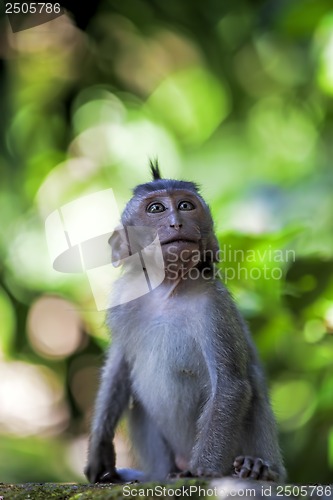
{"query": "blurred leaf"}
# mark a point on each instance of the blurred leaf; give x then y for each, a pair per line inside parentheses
(300, 17)
(33, 460)
(294, 402)
(330, 448)
(192, 103)
(7, 324)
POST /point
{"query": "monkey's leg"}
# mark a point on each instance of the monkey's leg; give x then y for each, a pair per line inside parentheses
(112, 399)
(153, 451)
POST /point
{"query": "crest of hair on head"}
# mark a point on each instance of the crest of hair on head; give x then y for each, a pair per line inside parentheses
(155, 169)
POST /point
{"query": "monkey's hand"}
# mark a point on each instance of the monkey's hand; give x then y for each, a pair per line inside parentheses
(101, 467)
(254, 468)
(122, 476)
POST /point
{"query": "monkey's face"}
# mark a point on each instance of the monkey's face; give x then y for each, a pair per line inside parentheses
(175, 218)
(182, 222)
(179, 218)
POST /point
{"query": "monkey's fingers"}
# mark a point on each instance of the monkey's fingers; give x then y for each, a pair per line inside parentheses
(254, 468)
(257, 468)
(246, 468)
(109, 477)
(268, 474)
(121, 476)
(106, 477)
(100, 476)
(238, 462)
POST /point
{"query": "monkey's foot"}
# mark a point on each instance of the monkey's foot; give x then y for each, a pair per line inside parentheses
(205, 472)
(254, 468)
(180, 474)
(199, 472)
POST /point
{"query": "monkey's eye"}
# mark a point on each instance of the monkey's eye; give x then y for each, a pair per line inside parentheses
(186, 205)
(155, 208)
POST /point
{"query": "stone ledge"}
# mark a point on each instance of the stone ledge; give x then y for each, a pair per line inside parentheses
(195, 489)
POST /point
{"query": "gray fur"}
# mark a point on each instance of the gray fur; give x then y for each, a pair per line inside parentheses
(184, 357)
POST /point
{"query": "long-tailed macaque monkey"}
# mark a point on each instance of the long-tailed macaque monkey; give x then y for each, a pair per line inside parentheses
(182, 364)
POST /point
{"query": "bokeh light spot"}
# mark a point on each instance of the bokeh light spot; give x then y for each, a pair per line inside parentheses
(31, 400)
(54, 327)
(314, 330)
(294, 402)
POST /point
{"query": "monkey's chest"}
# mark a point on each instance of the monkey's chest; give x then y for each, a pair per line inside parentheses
(170, 351)
(170, 378)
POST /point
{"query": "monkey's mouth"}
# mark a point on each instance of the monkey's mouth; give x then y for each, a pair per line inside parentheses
(176, 241)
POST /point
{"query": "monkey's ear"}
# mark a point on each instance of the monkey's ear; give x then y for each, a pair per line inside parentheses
(155, 169)
(119, 246)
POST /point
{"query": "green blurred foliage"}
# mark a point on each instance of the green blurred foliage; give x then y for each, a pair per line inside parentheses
(235, 96)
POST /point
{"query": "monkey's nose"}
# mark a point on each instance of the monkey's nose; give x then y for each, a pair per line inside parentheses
(176, 226)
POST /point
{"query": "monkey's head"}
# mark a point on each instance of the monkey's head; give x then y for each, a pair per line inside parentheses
(176, 212)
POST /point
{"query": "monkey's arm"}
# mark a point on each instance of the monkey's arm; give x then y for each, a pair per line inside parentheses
(237, 415)
(112, 399)
(222, 419)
